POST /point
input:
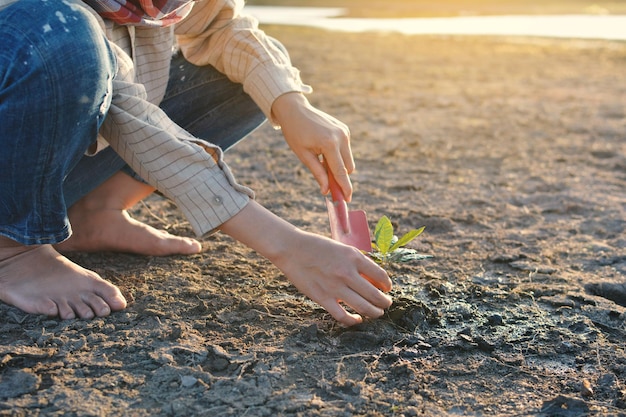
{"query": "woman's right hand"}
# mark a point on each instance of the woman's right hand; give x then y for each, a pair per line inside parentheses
(331, 273)
(328, 272)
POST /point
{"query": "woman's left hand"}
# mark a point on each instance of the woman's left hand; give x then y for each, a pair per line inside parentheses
(311, 133)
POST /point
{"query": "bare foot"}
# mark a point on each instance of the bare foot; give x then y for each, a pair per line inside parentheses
(100, 222)
(114, 230)
(38, 280)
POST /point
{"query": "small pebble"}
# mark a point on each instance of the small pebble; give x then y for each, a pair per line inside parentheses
(188, 381)
(585, 389)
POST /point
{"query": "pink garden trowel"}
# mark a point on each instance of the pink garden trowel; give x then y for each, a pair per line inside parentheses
(349, 227)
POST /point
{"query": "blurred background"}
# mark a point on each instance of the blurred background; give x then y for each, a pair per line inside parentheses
(440, 8)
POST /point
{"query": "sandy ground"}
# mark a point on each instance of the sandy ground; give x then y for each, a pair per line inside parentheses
(512, 153)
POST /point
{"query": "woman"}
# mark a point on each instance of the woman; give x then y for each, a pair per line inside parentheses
(96, 113)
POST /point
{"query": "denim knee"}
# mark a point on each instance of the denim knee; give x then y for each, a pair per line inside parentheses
(56, 72)
(58, 36)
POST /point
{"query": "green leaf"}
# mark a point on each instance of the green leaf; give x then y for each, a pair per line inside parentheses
(383, 235)
(407, 255)
(407, 238)
(377, 257)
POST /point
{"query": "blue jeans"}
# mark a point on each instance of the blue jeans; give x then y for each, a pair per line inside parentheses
(55, 89)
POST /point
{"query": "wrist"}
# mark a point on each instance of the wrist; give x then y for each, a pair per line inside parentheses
(286, 104)
(263, 231)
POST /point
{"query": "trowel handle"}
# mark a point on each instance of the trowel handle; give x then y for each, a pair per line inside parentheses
(335, 190)
(341, 208)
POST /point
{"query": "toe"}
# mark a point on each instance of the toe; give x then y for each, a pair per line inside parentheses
(46, 307)
(97, 305)
(84, 311)
(66, 312)
(191, 246)
(111, 300)
(169, 244)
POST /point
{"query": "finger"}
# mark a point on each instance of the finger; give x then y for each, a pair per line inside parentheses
(339, 172)
(346, 153)
(374, 295)
(317, 168)
(362, 305)
(374, 274)
(369, 292)
(340, 314)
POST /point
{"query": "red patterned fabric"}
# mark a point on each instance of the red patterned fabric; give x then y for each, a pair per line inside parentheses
(142, 12)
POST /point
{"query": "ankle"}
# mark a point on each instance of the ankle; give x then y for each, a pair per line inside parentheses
(10, 248)
(120, 192)
(86, 204)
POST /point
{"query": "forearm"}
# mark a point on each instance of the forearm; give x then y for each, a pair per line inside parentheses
(261, 230)
(217, 34)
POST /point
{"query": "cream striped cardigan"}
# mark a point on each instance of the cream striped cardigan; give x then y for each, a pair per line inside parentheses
(191, 171)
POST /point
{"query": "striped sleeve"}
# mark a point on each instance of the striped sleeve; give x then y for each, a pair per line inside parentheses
(216, 33)
(188, 170)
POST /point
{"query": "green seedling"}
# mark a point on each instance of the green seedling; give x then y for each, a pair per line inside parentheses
(388, 249)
